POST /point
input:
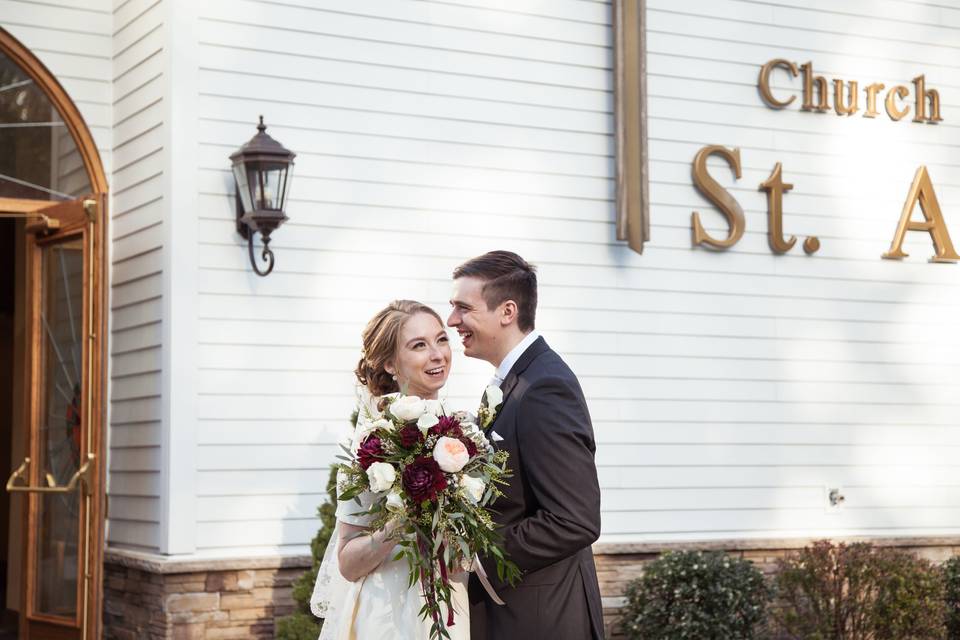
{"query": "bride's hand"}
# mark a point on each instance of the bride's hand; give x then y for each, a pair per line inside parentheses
(460, 567)
(460, 571)
(393, 530)
(360, 551)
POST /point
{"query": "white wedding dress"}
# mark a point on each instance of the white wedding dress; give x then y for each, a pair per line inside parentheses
(380, 605)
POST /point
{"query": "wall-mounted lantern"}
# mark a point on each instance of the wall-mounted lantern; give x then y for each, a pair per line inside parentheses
(263, 169)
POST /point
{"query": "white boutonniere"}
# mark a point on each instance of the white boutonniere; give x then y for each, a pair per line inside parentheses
(492, 399)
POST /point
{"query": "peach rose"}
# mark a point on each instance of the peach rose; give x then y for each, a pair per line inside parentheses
(451, 454)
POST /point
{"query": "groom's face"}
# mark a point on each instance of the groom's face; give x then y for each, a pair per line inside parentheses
(479, 327)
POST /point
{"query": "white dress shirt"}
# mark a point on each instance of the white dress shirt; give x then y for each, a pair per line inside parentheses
(512, 357)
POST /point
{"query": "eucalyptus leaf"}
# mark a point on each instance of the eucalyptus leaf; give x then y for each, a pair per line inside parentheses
(464, 547)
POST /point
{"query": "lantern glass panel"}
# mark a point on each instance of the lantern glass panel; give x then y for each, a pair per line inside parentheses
(240, 174)
(285, 188)
(253, 179)
(267, 181)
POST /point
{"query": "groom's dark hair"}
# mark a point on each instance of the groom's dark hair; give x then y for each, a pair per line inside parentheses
(506, 276)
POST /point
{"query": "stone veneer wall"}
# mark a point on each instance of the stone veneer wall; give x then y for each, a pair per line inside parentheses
(146, 599)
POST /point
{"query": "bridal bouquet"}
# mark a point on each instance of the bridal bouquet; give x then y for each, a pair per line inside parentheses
(431, 476)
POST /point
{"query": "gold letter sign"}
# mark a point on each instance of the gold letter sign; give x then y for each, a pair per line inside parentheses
(718, 196)
(922, 191)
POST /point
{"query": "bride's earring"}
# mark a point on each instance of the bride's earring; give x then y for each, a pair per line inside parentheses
(394, 378)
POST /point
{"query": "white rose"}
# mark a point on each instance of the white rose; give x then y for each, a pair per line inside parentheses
(494, 396)
(394, 501)
(382, 423)
(382, 476)
(473, 488)
(408, 408)
(434, 407)
(426, 421)
(451, 454)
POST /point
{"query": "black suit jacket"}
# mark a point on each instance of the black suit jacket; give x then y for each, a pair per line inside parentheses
(549, 514)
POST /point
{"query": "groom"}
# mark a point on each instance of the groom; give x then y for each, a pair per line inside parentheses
(549, 514)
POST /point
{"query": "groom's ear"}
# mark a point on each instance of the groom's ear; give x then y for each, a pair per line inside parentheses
(508, 312)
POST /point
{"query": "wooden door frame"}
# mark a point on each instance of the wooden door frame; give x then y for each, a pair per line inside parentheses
(98, 291)
(35, 295)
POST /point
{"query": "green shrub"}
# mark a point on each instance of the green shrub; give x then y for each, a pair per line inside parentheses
(951, 575)
(302, 625)
(693, 595)
(298, 626)
(910, 600)
(858, 592)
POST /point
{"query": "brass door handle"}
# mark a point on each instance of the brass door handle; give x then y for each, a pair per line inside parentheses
(80, 477)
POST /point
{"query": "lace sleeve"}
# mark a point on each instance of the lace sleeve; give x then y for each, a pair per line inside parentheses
(323, 601)
(331, 588)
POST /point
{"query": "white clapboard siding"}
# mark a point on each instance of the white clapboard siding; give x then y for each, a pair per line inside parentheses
(730, 391)
(136, 297)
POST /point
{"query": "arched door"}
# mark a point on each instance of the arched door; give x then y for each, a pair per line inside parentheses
(52, 183)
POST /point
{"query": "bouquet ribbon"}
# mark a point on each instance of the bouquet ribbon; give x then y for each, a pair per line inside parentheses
(482, 575)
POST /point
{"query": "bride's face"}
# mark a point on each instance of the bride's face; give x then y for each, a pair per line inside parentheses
(422, 363)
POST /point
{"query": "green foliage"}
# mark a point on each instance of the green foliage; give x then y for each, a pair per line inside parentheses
(859, 592)
(297, 626)
(693, 595)
(302, 625)
(951, 576)
(910, 600)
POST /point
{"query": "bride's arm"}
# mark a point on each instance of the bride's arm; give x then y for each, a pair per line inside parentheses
(359, 554)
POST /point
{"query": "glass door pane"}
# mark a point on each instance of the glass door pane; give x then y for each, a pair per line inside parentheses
(59, 433)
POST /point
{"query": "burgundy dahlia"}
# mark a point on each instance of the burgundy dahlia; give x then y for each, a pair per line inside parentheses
(470, 445)
(423, 479)
(448, 427)
(370, 451)
(410, 436)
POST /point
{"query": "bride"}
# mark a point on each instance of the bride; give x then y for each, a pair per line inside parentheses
(361, 591)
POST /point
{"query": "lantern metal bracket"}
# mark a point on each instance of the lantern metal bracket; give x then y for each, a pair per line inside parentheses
(266, 255)
(247, 232)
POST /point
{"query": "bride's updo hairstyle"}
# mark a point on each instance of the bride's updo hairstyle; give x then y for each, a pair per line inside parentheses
(381, 339)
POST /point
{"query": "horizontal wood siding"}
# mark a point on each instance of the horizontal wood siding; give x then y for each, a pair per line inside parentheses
(833, 371)
(136, 302)
(729, 391)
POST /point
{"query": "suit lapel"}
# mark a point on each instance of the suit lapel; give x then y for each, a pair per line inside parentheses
(513, 376)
